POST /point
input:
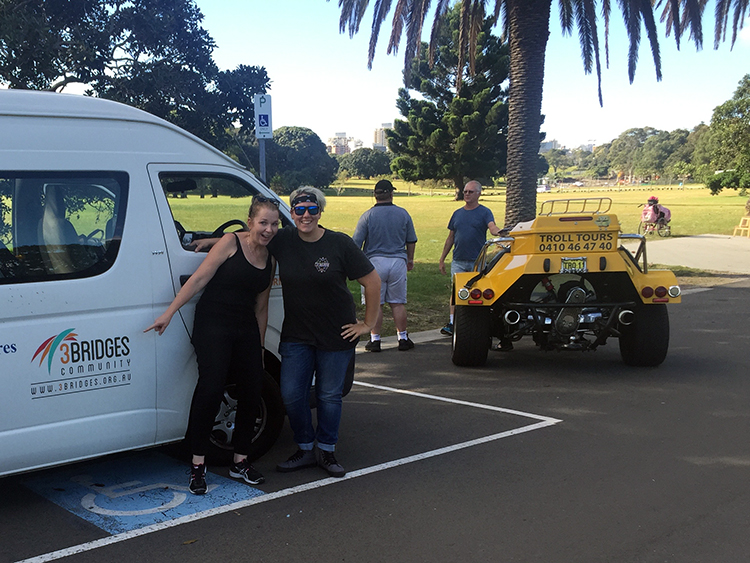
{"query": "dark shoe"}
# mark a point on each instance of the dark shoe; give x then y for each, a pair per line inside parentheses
(198, 479)
(299, 460)
(329, 463)
(243, 470)
(447, 330)
(373, 346)
(405, 344)
(504, 346)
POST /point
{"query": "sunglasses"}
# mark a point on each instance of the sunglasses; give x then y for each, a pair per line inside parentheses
(264, 199)
(299, 210)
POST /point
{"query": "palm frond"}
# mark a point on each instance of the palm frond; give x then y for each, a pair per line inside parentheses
(566, 16)
(692, 17)
(351, 15)
(440, 10)
(475, 27)
(740, 9)
(682, 15)
(382, 7)
(414, 23)
(606, 12)
(721, 15)
(584, 34)
(647, 11)
(399, 16)
(463, 39)
(590, 10)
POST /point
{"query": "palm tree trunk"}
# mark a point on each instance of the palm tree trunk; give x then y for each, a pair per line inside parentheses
(528, 34)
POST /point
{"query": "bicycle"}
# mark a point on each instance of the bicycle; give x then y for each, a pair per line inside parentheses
(662, 228)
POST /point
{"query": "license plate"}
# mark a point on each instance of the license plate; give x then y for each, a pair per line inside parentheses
(573, 265)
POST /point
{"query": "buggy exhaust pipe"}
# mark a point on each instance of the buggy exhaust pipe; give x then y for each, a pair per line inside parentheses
(512, 317)
(626, 317)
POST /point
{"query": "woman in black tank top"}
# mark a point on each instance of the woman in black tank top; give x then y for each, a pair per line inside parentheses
(228, 333)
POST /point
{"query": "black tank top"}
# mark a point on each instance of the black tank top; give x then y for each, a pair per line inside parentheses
(232, 291)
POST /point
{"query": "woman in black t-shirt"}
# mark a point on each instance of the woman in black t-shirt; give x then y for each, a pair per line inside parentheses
(229, 330)
(320, 330)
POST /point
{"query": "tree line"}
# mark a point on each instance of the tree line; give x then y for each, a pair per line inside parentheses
(717, 154)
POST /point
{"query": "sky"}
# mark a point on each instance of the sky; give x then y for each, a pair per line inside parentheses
(319, 77)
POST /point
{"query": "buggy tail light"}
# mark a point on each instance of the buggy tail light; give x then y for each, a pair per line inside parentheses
(660, 291)
(476, 293)
(674, 291)
(488, 294)
(647, 292)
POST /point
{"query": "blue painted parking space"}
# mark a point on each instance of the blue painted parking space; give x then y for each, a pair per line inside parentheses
(148, 488)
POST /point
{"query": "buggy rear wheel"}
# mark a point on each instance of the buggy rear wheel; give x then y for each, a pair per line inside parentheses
(646, 341)
(471, 336)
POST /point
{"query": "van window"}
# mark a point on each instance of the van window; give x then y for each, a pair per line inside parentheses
(59, 225)
(206, 205)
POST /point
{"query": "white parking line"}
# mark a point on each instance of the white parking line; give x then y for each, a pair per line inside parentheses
(543, 422)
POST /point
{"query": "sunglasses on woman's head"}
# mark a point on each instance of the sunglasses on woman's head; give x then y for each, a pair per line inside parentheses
(264, 199)
(299, 210)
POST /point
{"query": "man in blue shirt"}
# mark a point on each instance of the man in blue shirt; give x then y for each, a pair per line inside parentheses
(386, 234)
(467, 233)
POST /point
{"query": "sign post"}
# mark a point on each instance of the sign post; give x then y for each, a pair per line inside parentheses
(263, 128)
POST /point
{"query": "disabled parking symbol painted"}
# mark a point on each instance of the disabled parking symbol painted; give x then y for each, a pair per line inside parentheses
(128, 493)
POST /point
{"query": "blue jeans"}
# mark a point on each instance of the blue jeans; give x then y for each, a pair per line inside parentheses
(298, 364)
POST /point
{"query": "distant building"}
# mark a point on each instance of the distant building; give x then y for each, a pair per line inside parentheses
(547, 146)
(339, 144)
(379, 142)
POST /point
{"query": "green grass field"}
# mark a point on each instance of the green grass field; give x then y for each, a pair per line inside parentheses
(694, 211)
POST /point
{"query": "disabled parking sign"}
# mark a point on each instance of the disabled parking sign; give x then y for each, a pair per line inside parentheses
(262, 106)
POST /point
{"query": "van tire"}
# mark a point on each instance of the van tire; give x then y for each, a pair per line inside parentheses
(268, 424)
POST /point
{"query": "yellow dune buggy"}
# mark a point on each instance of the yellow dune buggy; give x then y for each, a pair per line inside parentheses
(566, 280)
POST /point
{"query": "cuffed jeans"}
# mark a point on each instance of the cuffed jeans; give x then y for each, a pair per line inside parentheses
(298, 364)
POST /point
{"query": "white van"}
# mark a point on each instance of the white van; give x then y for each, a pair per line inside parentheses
(90, 254)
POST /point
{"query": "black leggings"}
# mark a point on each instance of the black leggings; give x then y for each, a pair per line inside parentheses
(225, 347)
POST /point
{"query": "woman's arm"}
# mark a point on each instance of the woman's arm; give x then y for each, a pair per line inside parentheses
(261, 306)
(215, 258)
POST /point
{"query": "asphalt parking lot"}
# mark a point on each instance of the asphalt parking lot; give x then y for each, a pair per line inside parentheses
(546, 457)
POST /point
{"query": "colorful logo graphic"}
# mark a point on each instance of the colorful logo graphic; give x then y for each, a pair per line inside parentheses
(49, 347)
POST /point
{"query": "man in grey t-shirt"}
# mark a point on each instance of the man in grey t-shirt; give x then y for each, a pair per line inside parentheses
(467, 232)
(385, 232)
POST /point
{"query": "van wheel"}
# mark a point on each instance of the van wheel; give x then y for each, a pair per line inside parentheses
(268, 425)
(471, 336)
(646, 341)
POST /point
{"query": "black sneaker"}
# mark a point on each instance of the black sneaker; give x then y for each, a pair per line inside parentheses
(243, 470)
(198, 479)
(299, 460)
(373, 346)
(405, 344)
(447, 330)
(329, 463)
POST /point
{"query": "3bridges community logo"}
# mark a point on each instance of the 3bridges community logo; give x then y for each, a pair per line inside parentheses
(84, 364)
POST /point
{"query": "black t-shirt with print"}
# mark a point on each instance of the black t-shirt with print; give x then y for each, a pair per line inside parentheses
(317, 301)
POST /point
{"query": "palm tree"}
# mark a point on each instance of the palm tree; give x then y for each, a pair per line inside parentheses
(526, 27)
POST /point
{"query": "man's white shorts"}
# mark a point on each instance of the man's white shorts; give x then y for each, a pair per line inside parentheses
(392, 272)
